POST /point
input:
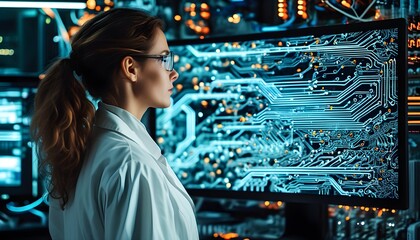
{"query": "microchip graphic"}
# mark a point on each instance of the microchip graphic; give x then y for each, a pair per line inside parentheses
(309, 114)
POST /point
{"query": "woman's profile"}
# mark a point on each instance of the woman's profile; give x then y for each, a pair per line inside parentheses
(108, 179)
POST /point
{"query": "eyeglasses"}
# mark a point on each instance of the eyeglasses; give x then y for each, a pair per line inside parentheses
(167, 60)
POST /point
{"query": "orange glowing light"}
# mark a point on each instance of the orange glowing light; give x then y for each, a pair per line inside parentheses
(205, 30)
(413, 43)
(345, 4)
(197, 29)
(377, 14)
(91, 4)
(204, 6)
(413, 26)
(228, 236)
(236, 21)
(204, 103)
(73, 30)
(86, 16)
(177, 18)
(179, 87)
(205, 15)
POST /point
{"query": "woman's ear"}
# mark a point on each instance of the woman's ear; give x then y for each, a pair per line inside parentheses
(130, 69)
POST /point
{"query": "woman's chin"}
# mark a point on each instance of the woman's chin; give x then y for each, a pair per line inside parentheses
(163, 105)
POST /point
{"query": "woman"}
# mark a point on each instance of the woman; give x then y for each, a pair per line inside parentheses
(108, 177)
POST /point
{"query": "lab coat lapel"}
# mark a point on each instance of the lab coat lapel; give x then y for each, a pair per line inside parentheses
(108, 120)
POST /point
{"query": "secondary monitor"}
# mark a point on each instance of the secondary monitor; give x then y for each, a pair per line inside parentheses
(18, 164)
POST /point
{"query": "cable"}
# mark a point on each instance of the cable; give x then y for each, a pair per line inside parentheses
(280, 27)
(64, 38)
(40, 215)
(26, 207)
(359, 18)
(73, 17)
(64, 42)
(45, 200)
(5, 217)
(367, 9)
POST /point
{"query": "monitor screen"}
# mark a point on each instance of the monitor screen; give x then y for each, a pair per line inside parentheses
(18, 166)
(306, 115)
(28, 39)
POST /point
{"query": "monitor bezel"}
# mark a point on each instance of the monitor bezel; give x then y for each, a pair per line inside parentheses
(26, 189)
(402, 201)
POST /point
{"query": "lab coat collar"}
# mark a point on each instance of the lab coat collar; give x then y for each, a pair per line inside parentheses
(120, 120)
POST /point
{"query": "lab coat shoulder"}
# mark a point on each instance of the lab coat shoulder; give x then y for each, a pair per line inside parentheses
(115, 156)
(133, 197)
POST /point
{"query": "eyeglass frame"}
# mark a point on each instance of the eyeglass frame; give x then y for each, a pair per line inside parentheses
(162, 58)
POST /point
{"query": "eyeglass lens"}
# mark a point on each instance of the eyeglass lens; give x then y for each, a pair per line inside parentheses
(168, 62)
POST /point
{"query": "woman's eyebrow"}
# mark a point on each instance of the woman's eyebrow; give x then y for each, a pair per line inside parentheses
(165, 52)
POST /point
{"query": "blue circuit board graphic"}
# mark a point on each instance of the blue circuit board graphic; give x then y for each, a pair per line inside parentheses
(314, 115)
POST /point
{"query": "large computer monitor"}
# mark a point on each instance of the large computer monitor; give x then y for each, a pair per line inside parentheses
(306, 115)
(18, 164)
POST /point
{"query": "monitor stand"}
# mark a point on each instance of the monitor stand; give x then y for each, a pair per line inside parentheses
(306, 221)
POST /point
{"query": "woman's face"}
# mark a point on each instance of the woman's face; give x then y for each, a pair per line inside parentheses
(156, 82)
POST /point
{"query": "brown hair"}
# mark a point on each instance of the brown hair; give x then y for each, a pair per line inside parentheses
(63, 117)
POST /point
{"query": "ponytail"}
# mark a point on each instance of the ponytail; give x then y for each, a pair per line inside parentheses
(63, 117)
(60, 127)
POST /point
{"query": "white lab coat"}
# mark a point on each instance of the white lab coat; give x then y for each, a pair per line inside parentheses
(126, 189)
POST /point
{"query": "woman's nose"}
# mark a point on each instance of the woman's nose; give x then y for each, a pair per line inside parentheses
(174, 75)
